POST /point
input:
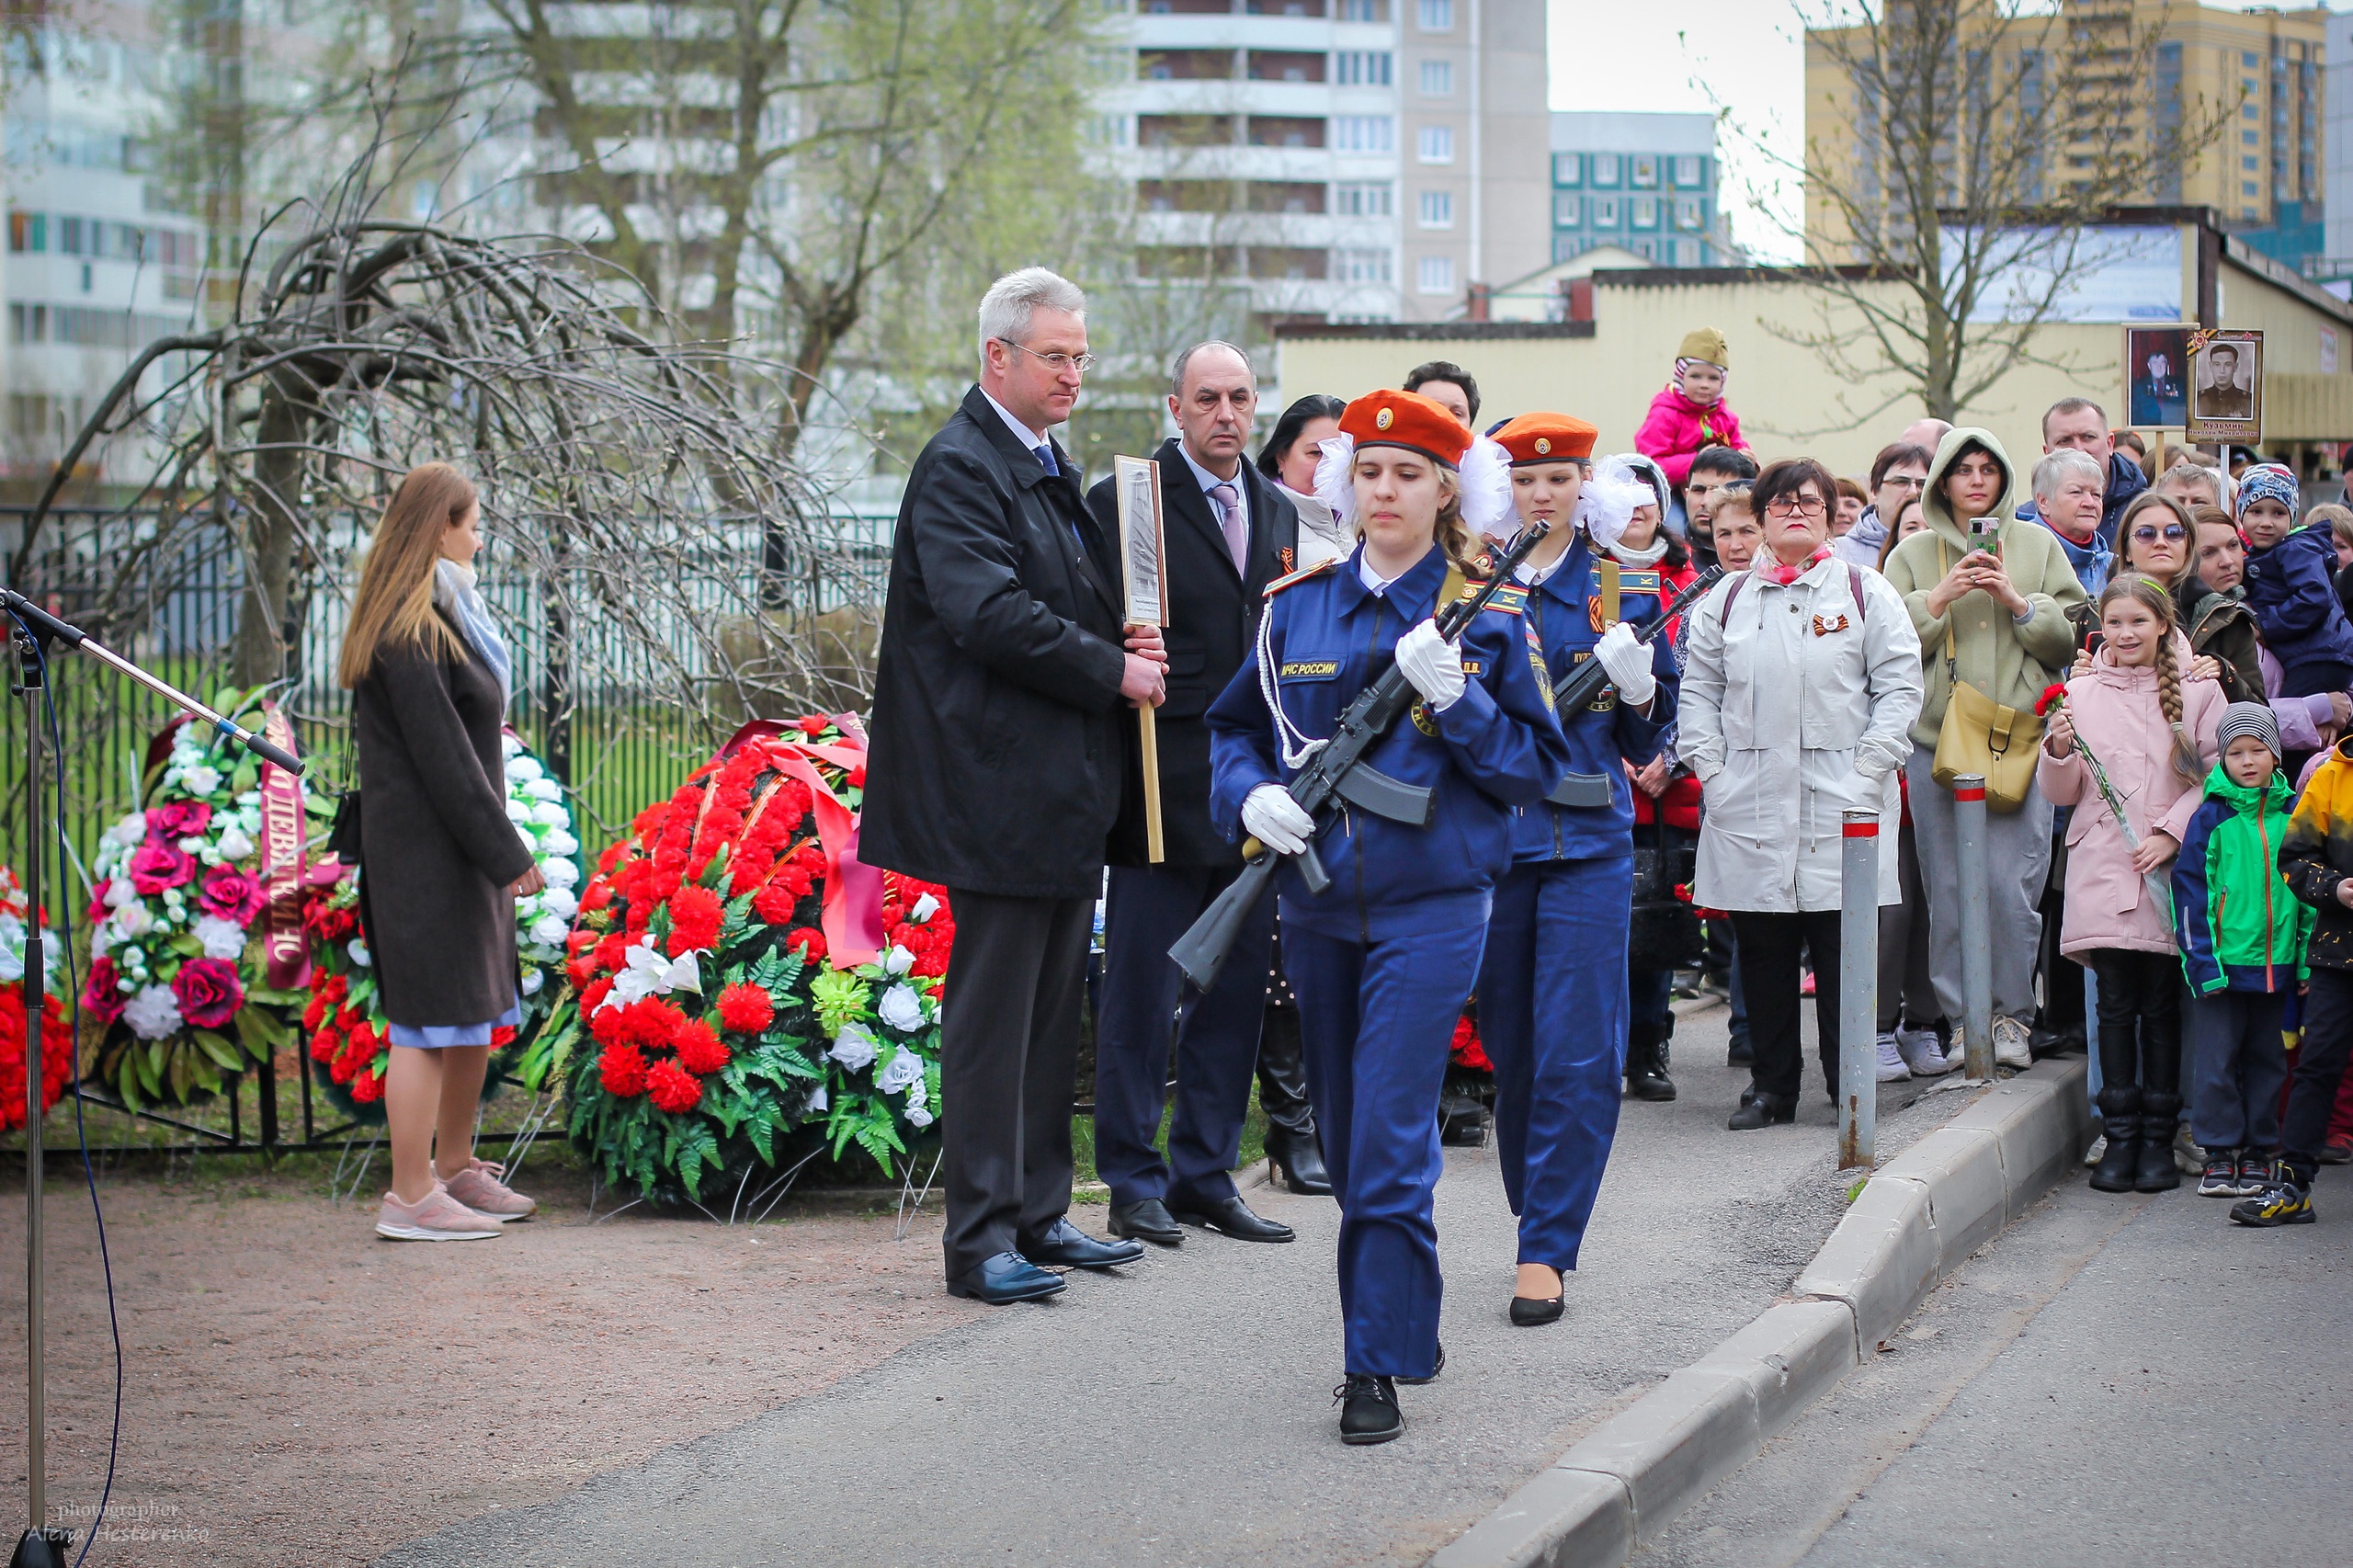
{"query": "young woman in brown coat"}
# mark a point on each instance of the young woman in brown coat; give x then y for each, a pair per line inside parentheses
(440, 865)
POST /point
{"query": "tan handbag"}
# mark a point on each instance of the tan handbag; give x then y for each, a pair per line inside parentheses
(1980, 735)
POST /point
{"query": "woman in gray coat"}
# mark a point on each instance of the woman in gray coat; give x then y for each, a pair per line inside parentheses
(440, 865)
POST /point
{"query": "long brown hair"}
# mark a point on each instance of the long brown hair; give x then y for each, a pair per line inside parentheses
(394, 605)
(2150, 501)
(1450, 533)
(2145, 592)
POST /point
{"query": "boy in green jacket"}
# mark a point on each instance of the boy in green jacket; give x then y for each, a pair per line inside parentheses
(2242, 934)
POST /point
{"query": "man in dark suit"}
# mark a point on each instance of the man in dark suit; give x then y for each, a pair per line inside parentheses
(1227, 530)
(998, 768)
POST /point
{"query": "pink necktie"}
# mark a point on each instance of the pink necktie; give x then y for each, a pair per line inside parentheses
(1229, 518)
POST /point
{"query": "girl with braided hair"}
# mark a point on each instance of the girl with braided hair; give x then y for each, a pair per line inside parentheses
(2150, 723)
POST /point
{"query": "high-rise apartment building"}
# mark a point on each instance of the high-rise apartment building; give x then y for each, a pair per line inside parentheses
(1644, 182)
(2262, 67)
(1347, 159)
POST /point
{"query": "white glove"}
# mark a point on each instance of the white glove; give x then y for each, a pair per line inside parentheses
(1432, 665)
(1275, 820)
(1629, 663)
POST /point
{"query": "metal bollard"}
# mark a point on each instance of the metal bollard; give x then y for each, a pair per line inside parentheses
(1858, 991)
(1977, 932)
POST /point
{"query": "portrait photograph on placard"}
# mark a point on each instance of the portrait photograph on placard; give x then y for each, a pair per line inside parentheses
(2225, 386)
(2157, 369)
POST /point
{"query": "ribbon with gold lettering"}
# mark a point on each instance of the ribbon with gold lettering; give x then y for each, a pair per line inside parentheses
(285, 946)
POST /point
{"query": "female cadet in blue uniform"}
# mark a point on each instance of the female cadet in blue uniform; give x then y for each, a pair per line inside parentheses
(1552, 1007)
(1383, 960)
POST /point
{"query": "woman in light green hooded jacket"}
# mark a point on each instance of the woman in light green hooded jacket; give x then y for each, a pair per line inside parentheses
(1989, 595)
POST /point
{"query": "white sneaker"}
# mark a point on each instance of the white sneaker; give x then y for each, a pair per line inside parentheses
(2010, 1049)
(1923, 1052)
(1891, 1069)
(2100, 1147)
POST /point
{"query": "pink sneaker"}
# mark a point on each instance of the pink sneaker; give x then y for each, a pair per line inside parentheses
(477, 1188)
(436, 1216)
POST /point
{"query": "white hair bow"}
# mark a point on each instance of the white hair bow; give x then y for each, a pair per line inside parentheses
(1606, 502)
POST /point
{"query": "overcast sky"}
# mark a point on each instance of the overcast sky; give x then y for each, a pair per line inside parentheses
(1743, 57)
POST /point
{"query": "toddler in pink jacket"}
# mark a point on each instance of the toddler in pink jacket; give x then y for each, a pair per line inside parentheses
(2152, 728)
(1688, 415)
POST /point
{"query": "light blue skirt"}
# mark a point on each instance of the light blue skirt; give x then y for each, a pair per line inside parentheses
(438, 1037)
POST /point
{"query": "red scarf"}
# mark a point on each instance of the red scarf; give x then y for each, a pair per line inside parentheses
(1785, 575)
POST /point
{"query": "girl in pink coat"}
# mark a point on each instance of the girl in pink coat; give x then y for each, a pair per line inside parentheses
(1688, 414)
(2152, 728)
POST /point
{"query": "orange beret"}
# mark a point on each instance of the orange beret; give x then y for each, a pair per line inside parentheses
(1388, 418)
(1546, 438)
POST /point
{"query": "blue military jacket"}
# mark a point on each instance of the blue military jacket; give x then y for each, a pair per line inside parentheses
(1325, 638)
(1564, 614)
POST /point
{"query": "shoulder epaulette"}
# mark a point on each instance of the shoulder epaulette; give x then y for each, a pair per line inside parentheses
(1510, 600)
(1301, 576)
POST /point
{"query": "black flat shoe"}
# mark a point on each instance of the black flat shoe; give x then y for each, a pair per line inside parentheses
(1068, 1248)
(1369, 1411)
(1148, 1221)
(1299, 1164)
(1527, 1311)
(1436, 1367)
(1230, 1217)
(1758, 1109)
(1008, 1276)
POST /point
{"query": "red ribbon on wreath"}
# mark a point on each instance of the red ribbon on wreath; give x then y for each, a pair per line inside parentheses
(852, 918)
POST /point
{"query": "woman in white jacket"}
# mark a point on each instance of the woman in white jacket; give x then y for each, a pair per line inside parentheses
(1800, 686)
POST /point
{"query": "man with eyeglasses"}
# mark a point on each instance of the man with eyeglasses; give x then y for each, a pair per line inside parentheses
(998, 767)
(1897, 474)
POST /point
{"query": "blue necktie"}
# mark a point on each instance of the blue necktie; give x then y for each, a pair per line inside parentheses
(1046, 456)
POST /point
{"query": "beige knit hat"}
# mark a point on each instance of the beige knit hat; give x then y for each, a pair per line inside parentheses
(1706, 345)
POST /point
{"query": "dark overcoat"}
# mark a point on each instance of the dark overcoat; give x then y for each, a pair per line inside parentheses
(995, 764)
(1212, 616)
(438, 852)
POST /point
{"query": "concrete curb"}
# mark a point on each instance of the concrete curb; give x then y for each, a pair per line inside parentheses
(1917, 1219)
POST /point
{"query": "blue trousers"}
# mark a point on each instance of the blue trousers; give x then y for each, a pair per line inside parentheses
(2236, 1065)
(1552, 1014)
(1376, 1019)
(1216, 1037)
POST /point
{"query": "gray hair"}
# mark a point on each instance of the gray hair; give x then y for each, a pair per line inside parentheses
(2058, 467)
(1013, 299)
(1185, 358)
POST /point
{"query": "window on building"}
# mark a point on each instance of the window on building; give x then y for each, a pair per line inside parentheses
(1362, 267)
(69, 236)
(1437, 78)
(1437, 209)
(2250, 165)
(1605, 168)
(1605, 212)
(2248, 187)
(1687, 170)
(1643, 211)
(1643, 249)
(1568, 211)
(1437, 274)
(1436, 144)
(1184, 130)
(29, 231)
(1690, 213)
(1364, 133)
(1568, 168)
(1285, 131)
(1362, 198)
(1438, 17)
(1363, 11)
(2249, 139)
(1287, 196)
(1361, 68)
(2246, 59)
(1645, 169)
(1285, 65)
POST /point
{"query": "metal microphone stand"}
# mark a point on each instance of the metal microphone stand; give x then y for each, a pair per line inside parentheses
(35, 631)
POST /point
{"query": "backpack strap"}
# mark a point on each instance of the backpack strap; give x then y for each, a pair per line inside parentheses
(1723, 618)
(1855, 581)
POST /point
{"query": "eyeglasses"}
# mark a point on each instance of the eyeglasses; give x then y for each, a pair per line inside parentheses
(1056, 363)
(1795, 506)
(1908, 481)
(2149, 533)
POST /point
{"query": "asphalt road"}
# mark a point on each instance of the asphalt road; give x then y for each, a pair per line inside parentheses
(1181, 1413)
(2115, 1380)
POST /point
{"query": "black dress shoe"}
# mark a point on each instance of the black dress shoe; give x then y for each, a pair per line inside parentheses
(1369, 1411)
(1436, 1367)
(1529, 1312)
(1299, 1163)
(1148, 1221)
(1230, 1217)
(1071, 1247)
(1008, 1277)
(1758, 1109)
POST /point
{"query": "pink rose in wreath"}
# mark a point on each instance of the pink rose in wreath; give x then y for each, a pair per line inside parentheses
(231, 895)
(209, 991)
(102, 997)
(176, 819)
(155, 866)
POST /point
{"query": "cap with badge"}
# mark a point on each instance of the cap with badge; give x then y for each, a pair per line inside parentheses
(1546, 437)
(1387, 418)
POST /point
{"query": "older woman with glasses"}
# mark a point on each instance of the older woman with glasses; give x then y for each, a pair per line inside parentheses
(1801, 645)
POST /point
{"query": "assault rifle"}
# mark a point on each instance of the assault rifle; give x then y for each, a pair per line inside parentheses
(1584, 684)
(1337, 772)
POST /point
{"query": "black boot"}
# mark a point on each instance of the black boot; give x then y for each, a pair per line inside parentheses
(1646, 1077)
(2119, 1116)
(2155, 1170)
(1298, 1160)
(1758, 1109)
